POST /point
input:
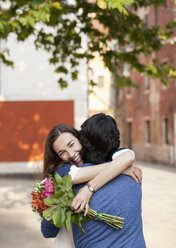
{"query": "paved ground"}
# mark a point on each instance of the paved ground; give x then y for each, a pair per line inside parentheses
(159, 206)
(19, 228)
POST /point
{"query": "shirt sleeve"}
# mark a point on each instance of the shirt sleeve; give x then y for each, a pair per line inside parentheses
(68, 169)
(73, 171)
(121, 151)
(49, 230)
(64, 170)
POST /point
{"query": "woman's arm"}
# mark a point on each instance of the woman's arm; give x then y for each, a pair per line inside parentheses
(116, 167)
(48, 230)
(113, 168)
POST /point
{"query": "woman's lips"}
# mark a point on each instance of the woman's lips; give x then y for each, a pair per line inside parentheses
(77, 160)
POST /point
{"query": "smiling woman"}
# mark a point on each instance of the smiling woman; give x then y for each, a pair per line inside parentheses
(68, 148)
(57, 149)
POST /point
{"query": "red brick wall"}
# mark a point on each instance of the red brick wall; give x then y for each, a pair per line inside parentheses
(155, 105)
(25, 125)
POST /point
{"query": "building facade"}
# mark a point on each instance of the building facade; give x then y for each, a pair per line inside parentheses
(147, 114)
(31, 103)
(101, 97)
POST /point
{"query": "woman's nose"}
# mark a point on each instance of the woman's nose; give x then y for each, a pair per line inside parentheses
(71, 153)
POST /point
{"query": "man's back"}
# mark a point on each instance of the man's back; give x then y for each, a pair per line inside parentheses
(120, 197)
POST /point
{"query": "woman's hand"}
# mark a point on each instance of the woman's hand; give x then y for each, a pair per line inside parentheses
(134, 171)
(81, 200)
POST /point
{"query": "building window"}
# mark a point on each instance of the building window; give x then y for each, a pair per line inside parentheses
(129, 134)
(100, 81)
(174, 12)
(164, 63)
(126, 72)
(165, 131)
(129, 91)
(146, 20)
(148, 135)
(147, 82)
(156, 15)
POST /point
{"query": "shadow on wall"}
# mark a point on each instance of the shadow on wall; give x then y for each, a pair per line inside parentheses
(24, 127)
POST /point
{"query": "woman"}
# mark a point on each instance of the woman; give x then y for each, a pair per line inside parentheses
(62, 145)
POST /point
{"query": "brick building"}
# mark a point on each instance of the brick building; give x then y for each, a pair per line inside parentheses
(147, 115)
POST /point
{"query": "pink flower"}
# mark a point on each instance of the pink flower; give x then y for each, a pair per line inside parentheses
(49, 188)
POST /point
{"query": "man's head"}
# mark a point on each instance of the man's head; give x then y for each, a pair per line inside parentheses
(99, 137)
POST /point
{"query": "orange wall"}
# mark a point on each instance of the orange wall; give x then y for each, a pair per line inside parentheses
(24, 127)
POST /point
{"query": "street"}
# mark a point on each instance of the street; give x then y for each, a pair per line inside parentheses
(20, 229)
(159, 206)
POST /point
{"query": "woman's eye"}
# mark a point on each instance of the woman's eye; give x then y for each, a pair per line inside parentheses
(62, 153)
(71, 144)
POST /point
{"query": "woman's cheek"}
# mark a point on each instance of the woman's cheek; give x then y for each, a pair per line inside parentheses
(64, 158)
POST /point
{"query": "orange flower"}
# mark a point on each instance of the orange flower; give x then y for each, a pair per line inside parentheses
(37, 204)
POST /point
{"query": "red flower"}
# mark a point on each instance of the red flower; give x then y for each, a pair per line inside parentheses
(37, 204)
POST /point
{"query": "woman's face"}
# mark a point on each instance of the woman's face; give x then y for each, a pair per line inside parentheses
(68, 147)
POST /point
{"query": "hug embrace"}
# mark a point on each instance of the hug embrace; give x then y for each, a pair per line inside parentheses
(102, 171)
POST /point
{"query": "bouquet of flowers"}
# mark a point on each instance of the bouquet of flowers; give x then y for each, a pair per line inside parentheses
(52, 198)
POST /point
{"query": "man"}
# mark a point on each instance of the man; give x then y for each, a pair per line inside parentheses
(120, 197)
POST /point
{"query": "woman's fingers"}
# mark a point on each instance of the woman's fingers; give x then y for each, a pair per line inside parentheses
(134, 177)
(74, 203)
(138, 174)
(80, 208)
(135, 172)
(86, 209)
(78, 205)
(140, 170)
(80, 202)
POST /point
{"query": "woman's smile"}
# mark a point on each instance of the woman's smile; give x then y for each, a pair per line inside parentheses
(78, 161)
(68, 147)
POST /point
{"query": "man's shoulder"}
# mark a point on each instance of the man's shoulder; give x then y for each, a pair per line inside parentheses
(64, 169)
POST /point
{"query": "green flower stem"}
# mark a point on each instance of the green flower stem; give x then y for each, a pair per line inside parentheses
(113, 221)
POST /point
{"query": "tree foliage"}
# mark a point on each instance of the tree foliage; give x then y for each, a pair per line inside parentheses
(59, 27)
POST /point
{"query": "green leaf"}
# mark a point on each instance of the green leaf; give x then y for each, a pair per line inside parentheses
(75, 75)
(62, 83)
(71, 194)
(92, 83)
(56, 217)
(47, 213)
(62, 216)
(76, 218)
(68, 220)
(61, 69)
(58, 178)
(67, 182)
(61, 36)
(62, 201)
(49, 201)
(60, 193)
(56, 5)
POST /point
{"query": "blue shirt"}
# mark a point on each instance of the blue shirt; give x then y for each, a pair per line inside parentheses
(120, 197)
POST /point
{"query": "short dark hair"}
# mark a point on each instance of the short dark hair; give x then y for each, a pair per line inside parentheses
(99, 137)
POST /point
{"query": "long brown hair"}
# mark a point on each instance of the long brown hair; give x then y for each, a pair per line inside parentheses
(51, 159)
